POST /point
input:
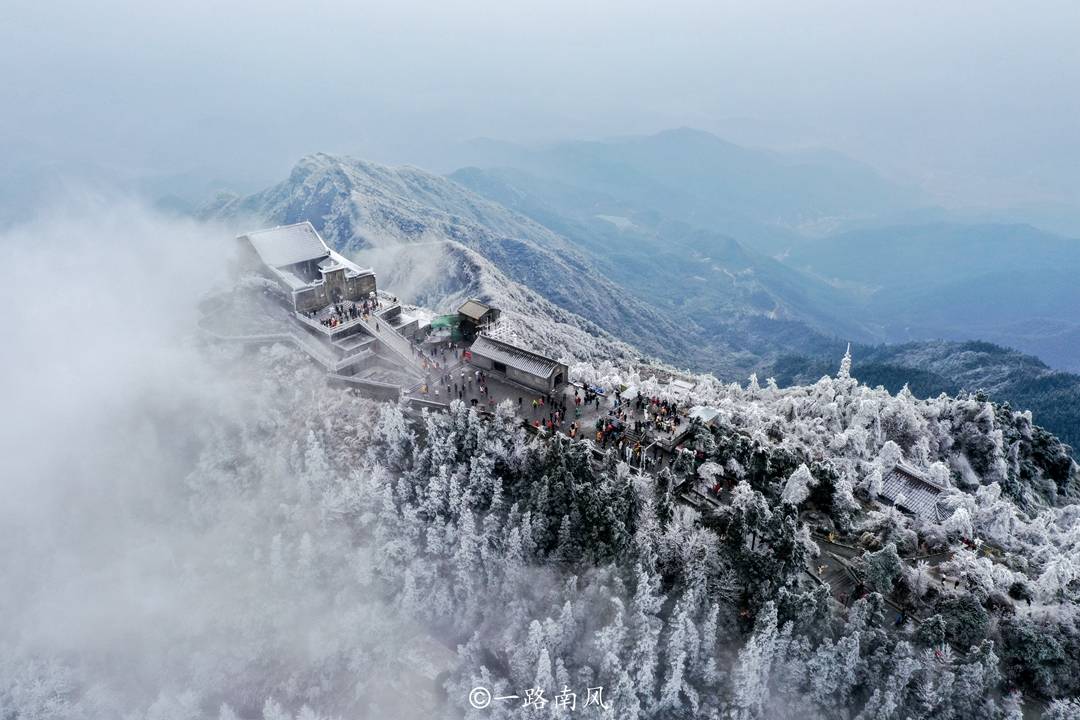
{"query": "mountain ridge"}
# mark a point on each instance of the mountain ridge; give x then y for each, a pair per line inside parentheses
(350, 203)
(359, 205)
(367, 208)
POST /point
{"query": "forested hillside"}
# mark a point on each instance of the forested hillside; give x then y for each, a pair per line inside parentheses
(486, 360)
(931, 368)
(362, 554)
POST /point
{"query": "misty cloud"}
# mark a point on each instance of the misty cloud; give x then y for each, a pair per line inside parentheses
(154, 490)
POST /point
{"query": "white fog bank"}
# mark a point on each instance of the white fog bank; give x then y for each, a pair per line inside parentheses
(162, 547)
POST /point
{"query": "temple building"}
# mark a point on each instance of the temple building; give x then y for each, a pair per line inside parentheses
(518, 365)
(477, 316)
(311, 273)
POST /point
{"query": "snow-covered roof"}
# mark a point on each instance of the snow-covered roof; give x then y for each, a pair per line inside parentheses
(680, 386)
(283, 248)
(288, 244)
(704, 413)
(294, 281)
(474, 309)
(515, 357)
(915, 492)
(336, 260)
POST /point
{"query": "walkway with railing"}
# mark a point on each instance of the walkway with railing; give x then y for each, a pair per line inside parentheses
(327, 330)
(394, 341)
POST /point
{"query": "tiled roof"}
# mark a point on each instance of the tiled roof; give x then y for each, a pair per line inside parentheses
(515, 357)
(474, 309)
(288, 244)
(919, 494)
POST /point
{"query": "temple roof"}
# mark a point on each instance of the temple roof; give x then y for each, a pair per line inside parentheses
(288, 244)
(910, 490)
(474, 309)
(515, 357)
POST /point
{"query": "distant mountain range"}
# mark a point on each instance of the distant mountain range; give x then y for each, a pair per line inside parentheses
(579, 249)
(732, 299)
(874, 264)
(1010, 284)
(766, 199)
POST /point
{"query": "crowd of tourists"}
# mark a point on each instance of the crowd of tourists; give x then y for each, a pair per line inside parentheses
(556, 413)
(643, 414)
(624, 426)
(658, 414)
(457, 384)
(436, 357)
(347, 311)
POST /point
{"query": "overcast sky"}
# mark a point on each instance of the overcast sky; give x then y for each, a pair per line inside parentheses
(976, 100)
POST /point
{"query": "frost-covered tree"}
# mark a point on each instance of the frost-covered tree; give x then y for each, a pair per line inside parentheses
(798, 486)
(1062, 709)
(844, 373)
(750, 676)
(339, 534)
(882, 569)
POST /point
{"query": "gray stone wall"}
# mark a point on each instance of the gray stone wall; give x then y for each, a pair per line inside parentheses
(531, 381)
(319, 296)
(480, 361)
(338, 285)
(310, 299)
(358, 288)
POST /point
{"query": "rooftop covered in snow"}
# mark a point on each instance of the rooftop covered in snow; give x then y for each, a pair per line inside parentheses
(298, 256)
(288, 244)
(477, 311)
(911, 491)
(704, 413)
(515, 357)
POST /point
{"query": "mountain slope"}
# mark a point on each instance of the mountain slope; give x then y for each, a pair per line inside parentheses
(767, 199)
(360, 206)
(435, 243)
(678, 198)
(442, 275)
(700, 274)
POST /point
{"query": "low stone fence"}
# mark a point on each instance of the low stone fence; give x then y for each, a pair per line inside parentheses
(372, 388)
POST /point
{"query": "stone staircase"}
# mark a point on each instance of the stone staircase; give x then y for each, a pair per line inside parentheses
(396, 343)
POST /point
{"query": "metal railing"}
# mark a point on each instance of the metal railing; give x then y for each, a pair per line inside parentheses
(326, 330)
(393, 340)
